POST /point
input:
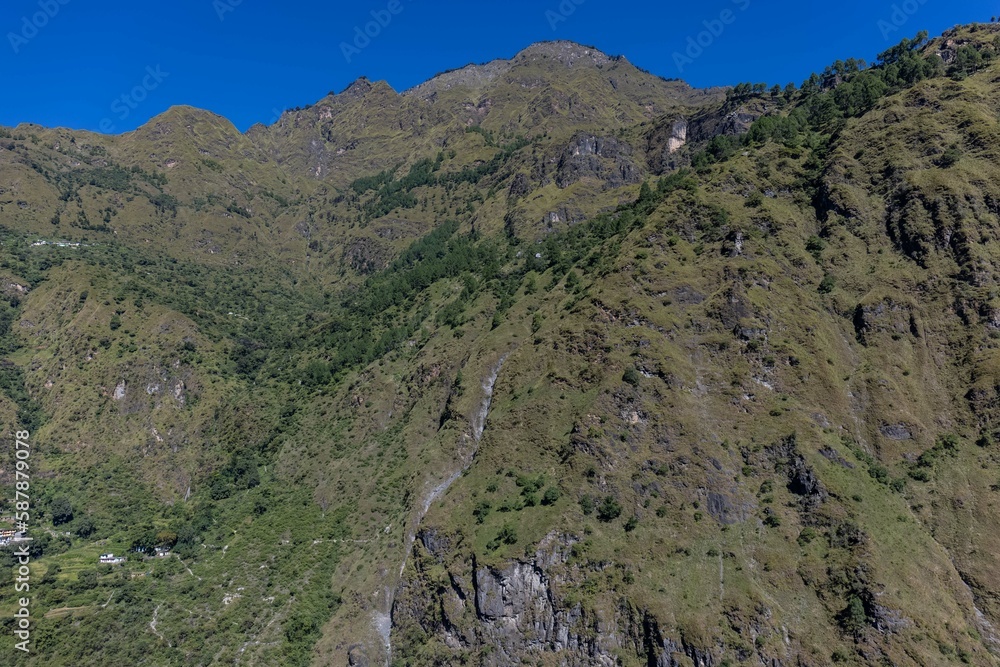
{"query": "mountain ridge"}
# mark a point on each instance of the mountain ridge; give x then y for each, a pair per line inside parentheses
(564, 52)
(550, 370)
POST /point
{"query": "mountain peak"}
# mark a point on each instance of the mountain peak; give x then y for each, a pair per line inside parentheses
(475, 76)
(470, 76)
(362, 86)
(184, 114)
(564, 51)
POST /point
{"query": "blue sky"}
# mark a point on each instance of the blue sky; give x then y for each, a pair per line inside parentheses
(70, 62)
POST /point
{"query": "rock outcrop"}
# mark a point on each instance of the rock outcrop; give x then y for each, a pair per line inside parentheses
(516, 612)
(604, 158)
(671, 134)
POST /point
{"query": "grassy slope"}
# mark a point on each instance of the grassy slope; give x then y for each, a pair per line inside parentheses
(733, 352)
(803, 371)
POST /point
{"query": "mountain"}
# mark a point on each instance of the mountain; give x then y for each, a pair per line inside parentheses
(545, 361)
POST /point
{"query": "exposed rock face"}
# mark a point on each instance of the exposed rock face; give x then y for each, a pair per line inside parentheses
(603, 158)
(888, 621)
(515, 604)
(563, 216)
(519, 186)
(517, 612)
(802, 480)
(664, 142)
(667, 138)
(11, 287)
(678, 136)
(356, 657)
(895, 431)
(884, 317)
(737, 122)
(434, 542)
(722, 509)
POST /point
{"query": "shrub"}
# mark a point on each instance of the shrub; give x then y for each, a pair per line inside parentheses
(879, 473)
(815, 246)
(827, 284)
(482, 511)
(947, 442)
(853, 618)
(510, 505)
(609, 510)
(529, 484)
(507, 535)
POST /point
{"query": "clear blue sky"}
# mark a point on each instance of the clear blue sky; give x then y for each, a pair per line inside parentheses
(68, 62)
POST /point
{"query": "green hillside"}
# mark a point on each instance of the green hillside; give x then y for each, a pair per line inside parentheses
(546, 361)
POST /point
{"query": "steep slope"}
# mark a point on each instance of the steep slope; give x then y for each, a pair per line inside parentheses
(555, 87)
(545, 361)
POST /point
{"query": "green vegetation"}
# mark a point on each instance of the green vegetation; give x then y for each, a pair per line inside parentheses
(283, 372)
(609, 509)
(846, 89)
(392, 194)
